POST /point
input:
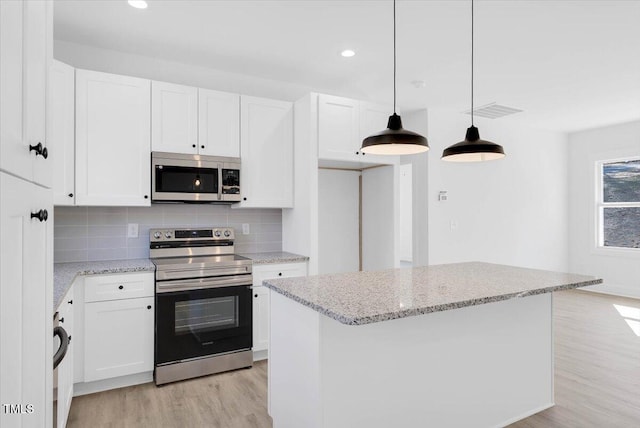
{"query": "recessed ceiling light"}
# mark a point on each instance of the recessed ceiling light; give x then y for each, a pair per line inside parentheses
(347, 53)
(138, 4)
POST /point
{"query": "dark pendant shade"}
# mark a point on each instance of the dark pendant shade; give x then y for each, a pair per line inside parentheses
(473, 149)
(395, 140)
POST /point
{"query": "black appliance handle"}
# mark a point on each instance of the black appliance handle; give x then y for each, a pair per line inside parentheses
(64, 345)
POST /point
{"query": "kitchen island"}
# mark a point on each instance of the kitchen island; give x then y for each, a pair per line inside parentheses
(457, 345)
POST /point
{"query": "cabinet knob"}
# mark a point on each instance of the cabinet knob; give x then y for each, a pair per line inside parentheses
(61, 319)
(148, 306)
(193, 145)
(146, 196)
(40, 150)
(244, 199)
(202, 147)
(255, 295)
(41, 215)
(279, 273)
(121, 287)
(70, 195)
(70, 302)
(69, 341)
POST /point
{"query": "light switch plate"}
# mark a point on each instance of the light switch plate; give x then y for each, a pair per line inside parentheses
(245, 228)
(132, 230)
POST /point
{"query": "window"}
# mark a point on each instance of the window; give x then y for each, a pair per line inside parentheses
(619, 203)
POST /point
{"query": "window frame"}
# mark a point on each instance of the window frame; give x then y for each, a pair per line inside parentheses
(600, 205)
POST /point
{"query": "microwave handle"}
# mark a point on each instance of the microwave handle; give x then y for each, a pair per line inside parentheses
(219, 182)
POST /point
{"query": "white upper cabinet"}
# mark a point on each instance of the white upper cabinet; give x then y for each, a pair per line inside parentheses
(342, 125)
(373, 119)
(174, 118)
(113, 141)
(266, 145)
(219, 123)
(60, 131)
(23, 81)
(338, 128)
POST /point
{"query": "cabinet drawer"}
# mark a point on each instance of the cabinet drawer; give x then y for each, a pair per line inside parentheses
(287, 270)
(99, 288)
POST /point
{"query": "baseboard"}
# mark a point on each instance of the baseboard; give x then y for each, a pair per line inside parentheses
(260, 355)
(613, 290)
(525, 415)
(85, 388)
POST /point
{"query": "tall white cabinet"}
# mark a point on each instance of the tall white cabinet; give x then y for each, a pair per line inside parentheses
(26, 229)
(266, 153)
(113, 141)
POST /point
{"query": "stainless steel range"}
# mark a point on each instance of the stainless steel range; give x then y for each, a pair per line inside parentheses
(203, 303)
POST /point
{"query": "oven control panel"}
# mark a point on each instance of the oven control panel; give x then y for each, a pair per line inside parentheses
(196, 234)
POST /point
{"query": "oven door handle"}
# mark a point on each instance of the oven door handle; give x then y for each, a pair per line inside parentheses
(200, 283)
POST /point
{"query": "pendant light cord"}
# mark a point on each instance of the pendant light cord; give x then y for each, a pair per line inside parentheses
(471, 62)
(394, 56)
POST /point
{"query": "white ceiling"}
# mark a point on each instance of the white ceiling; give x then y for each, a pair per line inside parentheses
(570, 65)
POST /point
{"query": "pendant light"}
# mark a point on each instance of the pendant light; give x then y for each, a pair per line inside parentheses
(394, 140)
(473, 149)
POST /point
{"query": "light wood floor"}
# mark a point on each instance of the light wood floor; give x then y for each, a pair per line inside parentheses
(597, 382)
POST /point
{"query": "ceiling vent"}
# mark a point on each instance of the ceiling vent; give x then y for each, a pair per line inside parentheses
(493, 111)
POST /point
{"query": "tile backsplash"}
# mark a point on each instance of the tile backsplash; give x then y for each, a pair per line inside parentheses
(100, 233)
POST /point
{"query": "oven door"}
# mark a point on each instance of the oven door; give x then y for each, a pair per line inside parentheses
(202, 322)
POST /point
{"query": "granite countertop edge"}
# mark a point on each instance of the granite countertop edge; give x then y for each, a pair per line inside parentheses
(274, 257)
(66, 273)
(344, 319)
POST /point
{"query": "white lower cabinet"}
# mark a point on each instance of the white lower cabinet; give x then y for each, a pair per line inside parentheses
(118, 334)
(261, 301)
(65, 369)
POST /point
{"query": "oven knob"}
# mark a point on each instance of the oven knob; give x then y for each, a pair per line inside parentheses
(167, 235)
(227, 233)
(217, 233)
(157, 235)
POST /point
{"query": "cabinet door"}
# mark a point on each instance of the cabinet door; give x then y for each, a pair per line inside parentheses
(14, 149)
(118, 338)
(266, 179)
(174, 118)
(26, 271)
(219, 124)
(260, 318)
(373, 119)
(65, 369)
(113, 142)
(60, 131)
(36, 65)
(338, 128)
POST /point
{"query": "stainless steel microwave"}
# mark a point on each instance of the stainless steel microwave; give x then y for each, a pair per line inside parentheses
(194, 178)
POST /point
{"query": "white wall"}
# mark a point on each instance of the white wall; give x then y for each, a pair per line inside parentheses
(620, 270)
(511, 211)
(417, 121)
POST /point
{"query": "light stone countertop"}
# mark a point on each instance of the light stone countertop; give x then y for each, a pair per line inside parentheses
(274, 257)
(65, 273)
(367, 297)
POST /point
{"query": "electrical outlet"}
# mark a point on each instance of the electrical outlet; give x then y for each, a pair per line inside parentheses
(132, 230)
(453, 224)
(245, 228)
